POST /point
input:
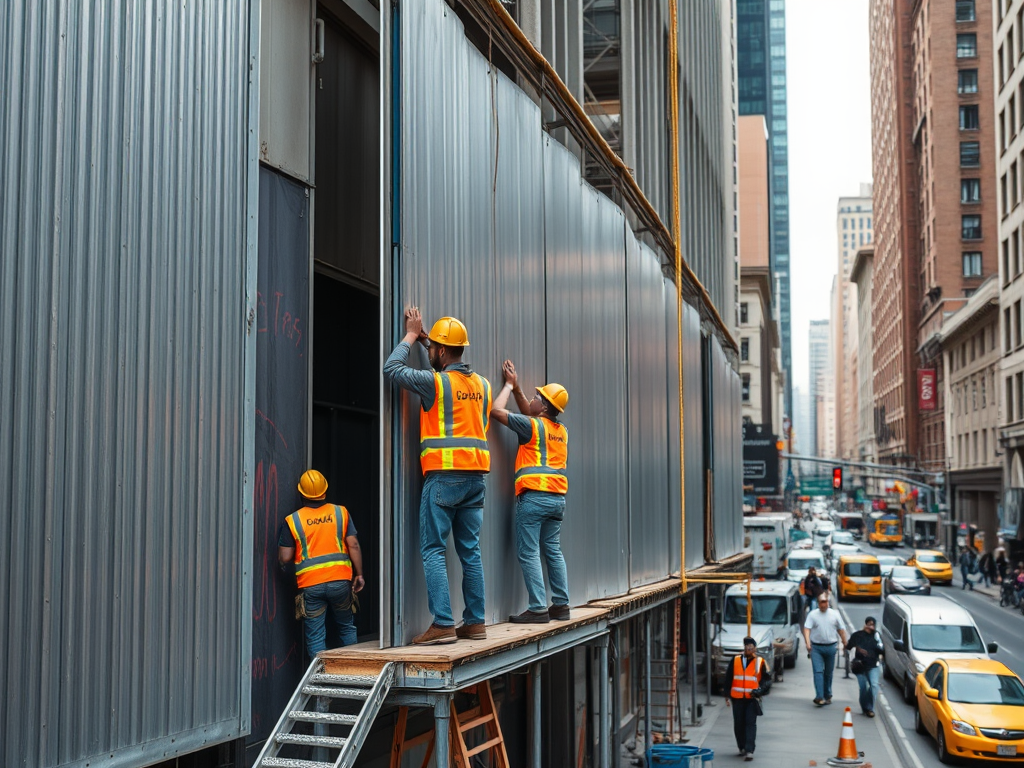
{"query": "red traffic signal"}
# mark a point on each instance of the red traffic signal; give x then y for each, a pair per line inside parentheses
(837, 478)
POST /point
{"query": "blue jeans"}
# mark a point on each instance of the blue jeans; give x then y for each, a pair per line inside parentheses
(538, 527)
(965, 574)
(868, 683)
(334, 597)
(452, 502)
(823, 661)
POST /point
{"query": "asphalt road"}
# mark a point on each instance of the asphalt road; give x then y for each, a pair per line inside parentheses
(1004, 626)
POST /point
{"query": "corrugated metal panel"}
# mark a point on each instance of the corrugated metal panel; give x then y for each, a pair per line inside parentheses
(694, 425)
(125, 407)
(728, 460)
(651, 544)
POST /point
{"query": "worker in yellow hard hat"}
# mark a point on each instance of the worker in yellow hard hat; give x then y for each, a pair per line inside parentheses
(541, 485)
(320, 539)
(456, 408)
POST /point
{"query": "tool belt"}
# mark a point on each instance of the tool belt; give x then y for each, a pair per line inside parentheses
(300, 608)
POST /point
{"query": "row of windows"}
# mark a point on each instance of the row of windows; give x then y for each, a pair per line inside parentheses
(968, 449)
(1012, 265)
(860, 222)
(1013, 327)
(1014, 397)
(976, 347)
(1010, 121)
(1009, 189)
(1008, 55)
(972, 396)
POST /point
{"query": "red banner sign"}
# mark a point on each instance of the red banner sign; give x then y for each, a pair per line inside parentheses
(927, 397)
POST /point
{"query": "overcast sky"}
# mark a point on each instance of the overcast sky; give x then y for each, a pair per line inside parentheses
(829, 147)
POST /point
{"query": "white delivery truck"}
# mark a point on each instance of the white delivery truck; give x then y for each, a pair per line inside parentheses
(767, 537)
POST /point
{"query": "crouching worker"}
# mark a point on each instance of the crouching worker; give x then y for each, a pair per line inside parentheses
(541, 485)
(320, 539)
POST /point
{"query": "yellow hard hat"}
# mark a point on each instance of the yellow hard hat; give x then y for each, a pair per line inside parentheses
(312, 484)
(555, 394)
(450, 332)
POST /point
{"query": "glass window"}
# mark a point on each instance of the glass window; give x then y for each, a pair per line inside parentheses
(970, 154)
(971, 227)
(743, 312)
(967, 81)
(746, 387)
(965, 10)
(970, 191)
(744, 349)
(972, 264)
(945, 638)
(966, 46)
(969, 117)
(764, 609)
(987, 689)
(862, 569)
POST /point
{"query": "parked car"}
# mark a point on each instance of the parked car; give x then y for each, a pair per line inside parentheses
(972, 708)
(842, 537)
(934, 565)
(905, 580)
(888, 562)
(858, 576)
(918, 630)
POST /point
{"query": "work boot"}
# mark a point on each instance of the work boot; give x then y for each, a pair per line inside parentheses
(471, 631)
(436, 635)
(530, 617)
(559, 612)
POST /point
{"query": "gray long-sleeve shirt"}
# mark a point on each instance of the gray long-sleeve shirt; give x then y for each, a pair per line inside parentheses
(420, 382)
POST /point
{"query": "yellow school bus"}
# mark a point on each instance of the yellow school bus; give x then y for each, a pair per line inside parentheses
(885, 531)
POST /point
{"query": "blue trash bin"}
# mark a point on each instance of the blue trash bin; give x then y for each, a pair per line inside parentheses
(679, 756)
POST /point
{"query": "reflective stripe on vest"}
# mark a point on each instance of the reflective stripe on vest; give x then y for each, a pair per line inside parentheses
(742, 682)
(453, 433)
(325, 558)
(540, 463)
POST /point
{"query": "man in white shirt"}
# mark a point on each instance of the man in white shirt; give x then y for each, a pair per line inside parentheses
(822, 630)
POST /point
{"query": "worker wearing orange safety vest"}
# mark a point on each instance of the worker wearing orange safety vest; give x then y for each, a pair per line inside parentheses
(320, 539)
(455, 459)
(747, 678)
(541, 485)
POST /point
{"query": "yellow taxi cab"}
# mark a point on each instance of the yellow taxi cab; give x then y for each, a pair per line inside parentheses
(934, 565)
(973, 708)
(858, 576)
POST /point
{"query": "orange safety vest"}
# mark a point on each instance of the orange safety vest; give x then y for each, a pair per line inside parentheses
(453, 433)
(743, 680)
(321, 554)
(540, 463)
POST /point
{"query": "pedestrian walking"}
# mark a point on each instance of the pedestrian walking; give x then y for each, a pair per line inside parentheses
(967, 565)
(1002, 566)
(541, 485)
(813, 585)
(320, 540)
(823, 628)
(987, 570)
(867, 647)
(746, 680)
(456, 408)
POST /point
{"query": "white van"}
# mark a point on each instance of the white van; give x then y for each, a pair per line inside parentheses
(775, 606)
(800, 561)
(918, 629)
(767, 536)
(822, 533)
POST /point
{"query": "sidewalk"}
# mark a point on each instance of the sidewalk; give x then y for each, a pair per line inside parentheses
(794, 732)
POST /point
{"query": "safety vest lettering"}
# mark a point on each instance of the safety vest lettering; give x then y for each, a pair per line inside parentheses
(469, 396)
(319, 520)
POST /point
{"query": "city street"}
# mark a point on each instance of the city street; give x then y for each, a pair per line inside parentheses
(1004, 626)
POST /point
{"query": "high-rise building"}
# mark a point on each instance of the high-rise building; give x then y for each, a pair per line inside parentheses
(761, 77)
(853, 231)
(894, 204)
(861, 276)
(818, 345)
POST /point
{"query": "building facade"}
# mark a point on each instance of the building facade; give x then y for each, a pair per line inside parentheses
(818, 351)
(895, 214)
(762, 87)
(971, 356)
(1009, 106)
(853, 231)
(860, 277)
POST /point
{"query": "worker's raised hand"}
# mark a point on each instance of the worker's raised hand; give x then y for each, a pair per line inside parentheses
(509, 372)
(414, 323)
(357, 584)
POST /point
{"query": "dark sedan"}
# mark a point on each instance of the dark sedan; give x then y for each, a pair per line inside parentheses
(906, 580)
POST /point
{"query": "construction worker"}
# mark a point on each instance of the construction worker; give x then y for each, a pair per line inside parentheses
(320, 539)
(748, 677)
(541, 485)
(456, 408)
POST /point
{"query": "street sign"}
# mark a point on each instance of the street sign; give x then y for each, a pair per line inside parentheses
(816, 486)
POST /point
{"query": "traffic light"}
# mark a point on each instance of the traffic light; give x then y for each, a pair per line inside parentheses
(837, 478)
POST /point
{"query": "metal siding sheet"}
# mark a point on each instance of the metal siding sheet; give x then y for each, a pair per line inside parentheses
(124, 283)
(728, 512)
(694, 425)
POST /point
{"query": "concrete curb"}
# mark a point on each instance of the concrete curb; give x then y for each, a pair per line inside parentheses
(897, 736)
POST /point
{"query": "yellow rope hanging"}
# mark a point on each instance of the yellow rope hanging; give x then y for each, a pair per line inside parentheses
(673, 112)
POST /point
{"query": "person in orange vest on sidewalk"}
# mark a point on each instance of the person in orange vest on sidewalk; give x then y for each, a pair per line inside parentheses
(541, 485)
(320, 539)
(747, 677)
(455, 415)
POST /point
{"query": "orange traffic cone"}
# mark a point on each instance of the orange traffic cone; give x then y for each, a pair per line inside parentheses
(848, 754)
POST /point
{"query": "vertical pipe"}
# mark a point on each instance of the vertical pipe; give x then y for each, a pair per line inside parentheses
(442, 713)
(606, 720)
(616, 713)
(647, 681)
(748, 605)
(691, 656)
(707, 641)
(535, 718)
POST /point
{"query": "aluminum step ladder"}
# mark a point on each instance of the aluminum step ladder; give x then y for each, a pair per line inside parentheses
(340, 734)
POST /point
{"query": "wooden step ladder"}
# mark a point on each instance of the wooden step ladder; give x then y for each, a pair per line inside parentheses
(483, 716)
